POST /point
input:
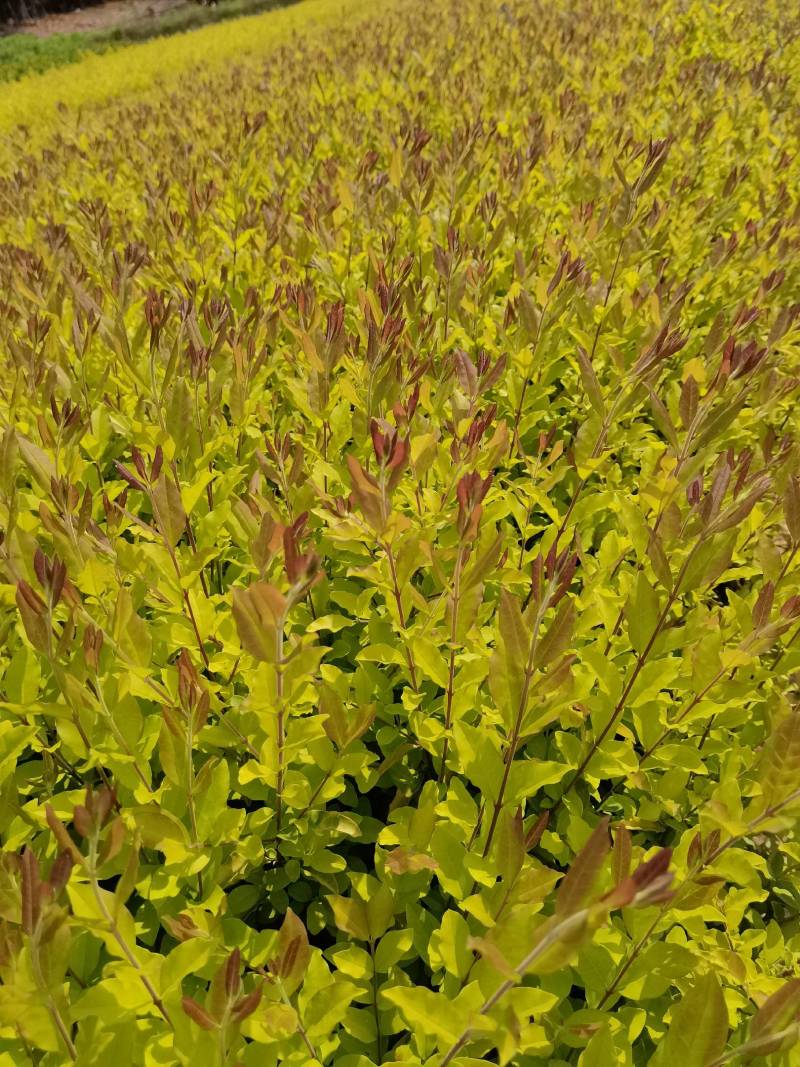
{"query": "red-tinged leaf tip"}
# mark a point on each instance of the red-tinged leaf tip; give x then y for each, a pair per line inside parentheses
(233, 968)
(197, 1014)
(577, 885)
(129, 477)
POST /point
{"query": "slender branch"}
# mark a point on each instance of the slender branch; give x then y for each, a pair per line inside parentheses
(609, 287)
(633, 955)
(387, 548)
(451, 670)
(641, 659)
(190, 784)
(375, 1011)
(300, 1028)
(158, 689)
(686, 711)
(557, 933)
(511, 751)
(52, 1007)
(185, 597)
(596, 452)
(769, 813)
(699, 417)
(117, 935)
(106, 711)
(280, 725)
(765, 1043)
(528, 375)
(325, 779)
(744, 645)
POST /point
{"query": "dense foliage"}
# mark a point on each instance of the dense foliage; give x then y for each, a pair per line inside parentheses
(400, 498)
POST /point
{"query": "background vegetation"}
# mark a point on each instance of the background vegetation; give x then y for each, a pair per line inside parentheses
(63, 98)
(400, 511)
(24, 53)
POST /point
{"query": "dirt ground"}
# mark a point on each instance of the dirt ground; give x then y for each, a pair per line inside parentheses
(101, 16)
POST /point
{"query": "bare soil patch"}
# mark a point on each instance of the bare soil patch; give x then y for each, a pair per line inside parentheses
(108, 16)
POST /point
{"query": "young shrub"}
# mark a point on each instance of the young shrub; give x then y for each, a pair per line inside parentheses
(400, 512)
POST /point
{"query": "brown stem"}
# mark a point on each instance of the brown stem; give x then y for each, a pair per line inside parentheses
(527, 381)
(451, 670)
(325, 779)
(689, 707)
(188, 525)
(557, 933)
(786, 648)
(595, 454)
(609, 287)
(60, 1025)
(285, 999)
(766, 1043)
(511, 751)
(682, 457)
(620, 705)
(717, 677)
(375, 1011)
(76, 722)
(106, 711)
(190, 783)
(52, 1007)
(159, 690)
(115, 933)
(604, 431)
(637, 948)
(280, 725)
(788, 563)
(185, 594)
(387, 548)
(528, 511)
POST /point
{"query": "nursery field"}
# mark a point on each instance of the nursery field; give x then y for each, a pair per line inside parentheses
(399, 541)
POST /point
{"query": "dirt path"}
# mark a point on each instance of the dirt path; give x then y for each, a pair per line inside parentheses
(102, 16)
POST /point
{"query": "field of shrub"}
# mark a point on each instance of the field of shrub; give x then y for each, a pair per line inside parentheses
(400, 515)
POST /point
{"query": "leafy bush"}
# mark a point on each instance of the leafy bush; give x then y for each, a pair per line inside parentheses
(401, 516)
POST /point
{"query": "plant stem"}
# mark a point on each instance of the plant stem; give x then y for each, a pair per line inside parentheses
(387, 548)
(325, 779)
(637, 948)
(52, 1007)
(767, 1042)
(451, 670)
(117, 935)
(375, 1012)
(280, 725)
(717, 677)
(300, 1028)
(118, 733)
(563, 929)
(159, 690)
(528, 374)
(511, 751)
(620, 705)
(190, 804)
(187, 602)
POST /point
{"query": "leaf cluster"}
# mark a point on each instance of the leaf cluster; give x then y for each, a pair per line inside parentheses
(399, 587)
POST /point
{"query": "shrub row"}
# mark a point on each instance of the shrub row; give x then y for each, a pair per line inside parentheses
(400, 503)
